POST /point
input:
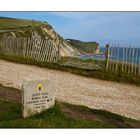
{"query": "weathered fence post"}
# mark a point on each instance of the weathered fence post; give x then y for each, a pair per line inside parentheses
(133, 51)
(136, 57)
(59, 51)
(107, 56)
(139, 64)
(110, 63)
(123, 59)
(129, 59)
(1, 45)
(126, 59)
(114, 56)
(117, 57)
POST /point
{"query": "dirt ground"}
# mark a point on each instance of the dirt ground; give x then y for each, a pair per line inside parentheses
(116, 97)
(10, 94)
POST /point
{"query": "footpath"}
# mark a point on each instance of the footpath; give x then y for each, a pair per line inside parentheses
(123, 99)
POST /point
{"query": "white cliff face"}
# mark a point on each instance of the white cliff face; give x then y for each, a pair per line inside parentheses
(65, 48)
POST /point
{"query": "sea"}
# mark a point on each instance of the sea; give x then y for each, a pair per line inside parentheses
(129, 55)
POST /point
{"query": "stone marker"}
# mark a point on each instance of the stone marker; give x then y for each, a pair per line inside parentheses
(37, 96)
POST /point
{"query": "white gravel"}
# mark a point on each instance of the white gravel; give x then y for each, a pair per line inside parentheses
(119, 98)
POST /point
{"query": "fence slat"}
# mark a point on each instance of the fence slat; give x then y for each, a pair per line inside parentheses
(109, 66)
(43, 51)
(132, 66)
(126, 61)
(123, 59)
(129, 59)
(139, 64)
(46, 50)
(50, 52)
(40, 51)
(117, 58)
(107, 56)
(136, 57)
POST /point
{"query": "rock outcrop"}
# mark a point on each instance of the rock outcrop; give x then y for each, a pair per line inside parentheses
(87, 48)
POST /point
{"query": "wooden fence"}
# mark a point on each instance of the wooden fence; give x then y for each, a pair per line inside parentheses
(34, 48)
(123, 59)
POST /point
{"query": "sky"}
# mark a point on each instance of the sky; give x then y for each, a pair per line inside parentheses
(102, 27)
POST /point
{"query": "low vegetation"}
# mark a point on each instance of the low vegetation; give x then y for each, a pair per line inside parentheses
(99, 73)
(87, 47)
(22, 27)
(12, 23)
(62, 115)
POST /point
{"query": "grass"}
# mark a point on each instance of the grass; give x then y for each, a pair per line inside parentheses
(13, 23)
(82, 60)
(55, 117)
(62, 115)
(99, 74)
(87, 47)
(52, 118)
(22, 27)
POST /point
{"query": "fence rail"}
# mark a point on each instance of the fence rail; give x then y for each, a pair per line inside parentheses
(124, 59)
(37, 49)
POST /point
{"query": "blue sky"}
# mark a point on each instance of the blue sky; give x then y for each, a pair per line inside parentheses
(103, 27)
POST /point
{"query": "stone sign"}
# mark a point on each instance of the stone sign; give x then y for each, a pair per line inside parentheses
(37, 96)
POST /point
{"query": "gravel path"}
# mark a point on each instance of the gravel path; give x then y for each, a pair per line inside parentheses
(119, 98)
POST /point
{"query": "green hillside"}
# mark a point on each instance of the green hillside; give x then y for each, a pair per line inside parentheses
(22, 27)
(13, 23)
(87, 47)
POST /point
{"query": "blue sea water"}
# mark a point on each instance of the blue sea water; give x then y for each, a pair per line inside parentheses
(127, 54)
(94, 57)
(117, 54)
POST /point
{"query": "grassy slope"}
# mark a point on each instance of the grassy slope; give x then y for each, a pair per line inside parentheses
(58, 117)
(12, 23)
(87, 47)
